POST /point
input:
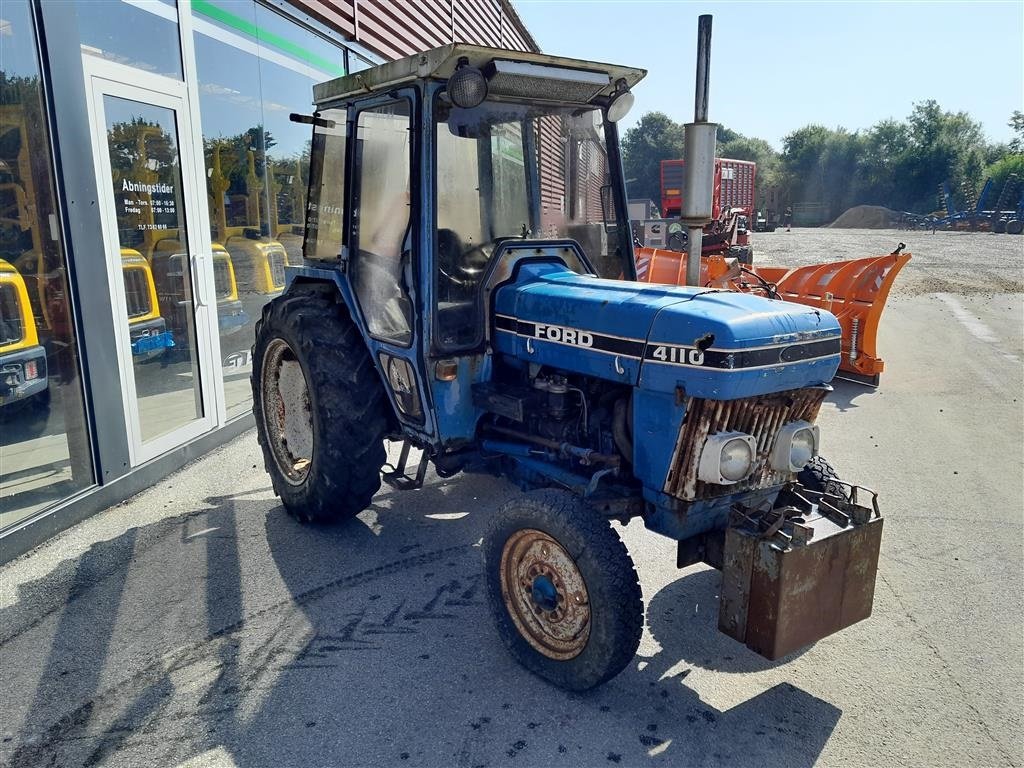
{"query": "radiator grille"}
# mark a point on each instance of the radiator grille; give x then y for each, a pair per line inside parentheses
(760, 416)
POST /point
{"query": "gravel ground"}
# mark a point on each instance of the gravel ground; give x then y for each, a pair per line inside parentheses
(961, 263)
(198, 625)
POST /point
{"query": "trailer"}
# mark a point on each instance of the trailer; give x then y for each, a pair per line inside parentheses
(735, 185)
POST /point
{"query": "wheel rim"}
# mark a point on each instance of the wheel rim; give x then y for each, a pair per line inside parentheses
(287, 413)
(545, 594)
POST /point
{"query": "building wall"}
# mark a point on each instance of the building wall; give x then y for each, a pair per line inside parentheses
(392, 30)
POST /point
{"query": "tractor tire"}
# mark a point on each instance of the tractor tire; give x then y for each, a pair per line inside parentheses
(819, 475)
(320, 407)
(1014, 226)
(562, 589)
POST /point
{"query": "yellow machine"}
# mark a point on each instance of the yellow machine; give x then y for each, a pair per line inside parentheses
(231, 316)
(23, 372)
(287, 185)
(258, 260)
(147, 328)
(168, 262)
(290, 237)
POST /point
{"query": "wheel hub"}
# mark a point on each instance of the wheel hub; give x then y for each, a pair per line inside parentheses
(287, 412)
(545, 594)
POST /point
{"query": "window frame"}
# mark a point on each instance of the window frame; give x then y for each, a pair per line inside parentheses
(346, 125)
(529, 139)
(353, 171)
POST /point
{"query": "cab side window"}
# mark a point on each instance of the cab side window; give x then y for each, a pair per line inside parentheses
(325, 202)
(381, 255)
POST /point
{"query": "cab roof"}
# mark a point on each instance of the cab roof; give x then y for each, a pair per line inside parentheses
(440, 63)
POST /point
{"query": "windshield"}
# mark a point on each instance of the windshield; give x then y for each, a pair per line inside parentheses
(514, 170)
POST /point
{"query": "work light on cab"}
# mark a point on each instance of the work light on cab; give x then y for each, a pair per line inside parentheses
(620, 103)
(467, 88)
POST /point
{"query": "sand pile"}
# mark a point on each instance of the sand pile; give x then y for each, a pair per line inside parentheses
(867, 217)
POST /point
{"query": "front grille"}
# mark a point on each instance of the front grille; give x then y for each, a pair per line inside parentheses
(760, 416)
(136, 292)
(276, 260)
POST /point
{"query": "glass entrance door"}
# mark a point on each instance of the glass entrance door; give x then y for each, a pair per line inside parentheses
(160, 274)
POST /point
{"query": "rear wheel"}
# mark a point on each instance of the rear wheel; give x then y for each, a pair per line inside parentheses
(562, 589)
(319, 405)
(1014, 226)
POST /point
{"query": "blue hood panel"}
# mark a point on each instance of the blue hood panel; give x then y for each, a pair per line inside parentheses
(715, 344)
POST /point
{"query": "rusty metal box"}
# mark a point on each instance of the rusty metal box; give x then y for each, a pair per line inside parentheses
(781, 592)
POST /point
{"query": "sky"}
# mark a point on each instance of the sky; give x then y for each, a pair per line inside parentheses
(776, 66)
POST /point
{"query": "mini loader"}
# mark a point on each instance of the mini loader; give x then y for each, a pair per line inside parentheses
(466, 223)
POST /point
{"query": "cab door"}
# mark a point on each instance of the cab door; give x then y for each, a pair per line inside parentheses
(383, 248)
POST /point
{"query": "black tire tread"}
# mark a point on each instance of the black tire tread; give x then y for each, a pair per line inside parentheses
(820, 475)
(347, 398)
(615, 596)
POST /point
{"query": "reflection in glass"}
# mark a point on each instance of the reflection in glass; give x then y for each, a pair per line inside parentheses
(155, 263)
(257, 161)
(142, 35)
(44, 447)
(324, 235)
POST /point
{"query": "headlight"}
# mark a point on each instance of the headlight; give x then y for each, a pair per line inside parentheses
(726, 458)
(795, 445)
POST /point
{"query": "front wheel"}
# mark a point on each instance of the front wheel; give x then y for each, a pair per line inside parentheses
(562, 589)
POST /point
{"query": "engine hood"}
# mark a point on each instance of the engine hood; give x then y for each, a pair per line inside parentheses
(712, 343)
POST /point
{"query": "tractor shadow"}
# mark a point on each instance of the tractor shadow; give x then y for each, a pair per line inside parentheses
(364, 643)
(418, 651)
(844, 393)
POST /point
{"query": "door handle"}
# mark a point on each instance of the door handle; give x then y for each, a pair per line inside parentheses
(199, 280)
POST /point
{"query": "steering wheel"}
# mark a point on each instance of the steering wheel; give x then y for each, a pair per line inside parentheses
(483, 253)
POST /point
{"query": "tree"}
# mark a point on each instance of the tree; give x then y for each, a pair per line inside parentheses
(1017, 124)
(882, 164)
(819, 165)
(655, 138)
(1000, 173)
(944, 146)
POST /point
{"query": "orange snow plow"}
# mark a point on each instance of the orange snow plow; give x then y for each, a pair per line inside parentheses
(854, 291)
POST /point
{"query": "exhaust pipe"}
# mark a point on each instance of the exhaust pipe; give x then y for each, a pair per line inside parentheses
(699, 153)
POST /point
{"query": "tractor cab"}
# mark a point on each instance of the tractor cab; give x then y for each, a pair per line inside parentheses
(422, 168)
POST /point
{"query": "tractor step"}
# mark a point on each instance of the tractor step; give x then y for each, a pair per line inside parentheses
(399, 477)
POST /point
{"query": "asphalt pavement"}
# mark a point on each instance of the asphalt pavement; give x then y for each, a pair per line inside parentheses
(198, 625)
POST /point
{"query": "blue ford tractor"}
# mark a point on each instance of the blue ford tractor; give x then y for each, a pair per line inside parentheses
(466, 241)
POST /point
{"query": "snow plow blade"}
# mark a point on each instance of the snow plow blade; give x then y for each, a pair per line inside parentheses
(855, 291)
